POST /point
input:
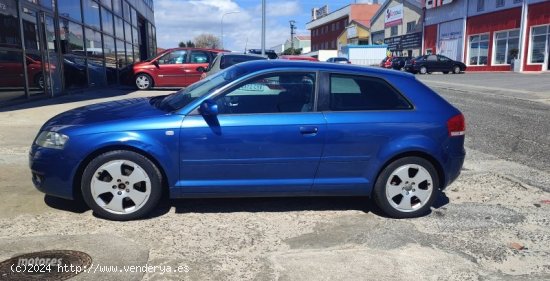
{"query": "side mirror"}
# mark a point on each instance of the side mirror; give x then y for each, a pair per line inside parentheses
(156, 63)
(201, 69)
(208, 108)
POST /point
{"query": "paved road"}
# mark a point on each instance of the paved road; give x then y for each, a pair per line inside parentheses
(510, 120)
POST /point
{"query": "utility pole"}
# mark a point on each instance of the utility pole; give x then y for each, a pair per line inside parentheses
(292, 33)
(263, 27)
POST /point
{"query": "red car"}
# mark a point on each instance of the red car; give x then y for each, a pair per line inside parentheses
(179, 67)
(12, 70)
(294, 57)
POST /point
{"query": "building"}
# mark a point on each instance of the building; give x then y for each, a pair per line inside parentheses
(300, 42)
(51, 47)
(399, 24)
(326, 27)
(355, 34)
(490, 35)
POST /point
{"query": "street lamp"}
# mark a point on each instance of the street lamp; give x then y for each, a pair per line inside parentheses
(221, 22)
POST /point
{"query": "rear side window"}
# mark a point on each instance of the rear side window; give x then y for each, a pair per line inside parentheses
(351, 93)
(228, 61)
(199, 57)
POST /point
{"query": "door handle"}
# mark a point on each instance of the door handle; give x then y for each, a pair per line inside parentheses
(309, 130)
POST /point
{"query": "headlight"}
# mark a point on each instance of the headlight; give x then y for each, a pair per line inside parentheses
(51, 140)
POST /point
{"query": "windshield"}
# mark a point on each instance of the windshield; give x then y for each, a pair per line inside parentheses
(185, 96)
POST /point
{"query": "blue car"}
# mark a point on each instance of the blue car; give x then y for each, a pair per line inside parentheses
(261, 128)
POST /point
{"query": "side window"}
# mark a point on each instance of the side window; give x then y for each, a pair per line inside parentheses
(444, 59)
(272, 93)
(352, 93)
(199, 57)
(175, 57)
(432, 58)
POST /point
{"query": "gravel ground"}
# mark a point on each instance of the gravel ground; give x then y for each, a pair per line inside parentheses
(470, 235)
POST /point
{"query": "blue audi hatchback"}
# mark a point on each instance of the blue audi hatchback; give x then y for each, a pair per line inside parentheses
(262, 128)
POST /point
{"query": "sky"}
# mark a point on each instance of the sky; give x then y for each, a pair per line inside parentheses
(182, 20)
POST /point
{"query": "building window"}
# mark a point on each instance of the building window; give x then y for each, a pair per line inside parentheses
(411, 26)
(69, 9)
(539, 37)
(517, 1)
(107, 21)
(479, 49)
(393, 31)
(480, 5)
(500, 3)
(506, 46)
(338, 25)
(91, 13)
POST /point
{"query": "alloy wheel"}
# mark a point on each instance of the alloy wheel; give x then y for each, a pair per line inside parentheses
(143, 82)
(409, 188)
(120, 187)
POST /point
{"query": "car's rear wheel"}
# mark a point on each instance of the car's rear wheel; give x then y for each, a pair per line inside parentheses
(423, 70)
(456, 69)
(406, 188)
(121, 185)
(144, 81)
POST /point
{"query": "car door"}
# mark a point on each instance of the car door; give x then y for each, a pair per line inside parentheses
(267, 138)
(432, 63)
(197, 58)
(363, 114)
(446, 64)
(171, 69)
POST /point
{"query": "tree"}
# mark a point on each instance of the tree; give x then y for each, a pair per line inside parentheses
(206, 40)
(188, 44)
(291, 51)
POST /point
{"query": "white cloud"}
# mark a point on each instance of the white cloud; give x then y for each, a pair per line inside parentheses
(178, 20)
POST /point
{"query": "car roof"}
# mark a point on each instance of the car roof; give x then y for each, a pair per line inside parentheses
(257, 65)
(241, 55)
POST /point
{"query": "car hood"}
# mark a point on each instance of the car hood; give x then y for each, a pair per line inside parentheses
(104, 112)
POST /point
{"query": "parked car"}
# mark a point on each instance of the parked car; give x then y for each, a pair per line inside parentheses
(225, 60)
(173, 68)
(269, 53)
(259, 128)
(338, 60)
(297, 57)
(434, 63)
(398, 63)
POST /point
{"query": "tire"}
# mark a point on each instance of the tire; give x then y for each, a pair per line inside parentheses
(121, 185)
(39, 81)
(423, 70)
(399, 195)
(143, 81)
(456, 69)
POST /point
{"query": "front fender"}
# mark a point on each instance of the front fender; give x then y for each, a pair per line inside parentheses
(156, 144)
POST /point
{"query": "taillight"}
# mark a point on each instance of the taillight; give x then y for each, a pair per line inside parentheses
(456, 125)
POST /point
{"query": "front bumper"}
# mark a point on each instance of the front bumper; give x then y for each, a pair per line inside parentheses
(53, 171)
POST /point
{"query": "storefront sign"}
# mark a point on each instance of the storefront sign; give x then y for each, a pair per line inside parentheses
(318, 13)
(393, 16)
(404, 42)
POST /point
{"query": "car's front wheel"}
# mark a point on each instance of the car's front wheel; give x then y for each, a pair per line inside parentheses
(144, 81)
(406, 188)
(121, 185)
(456, 69)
